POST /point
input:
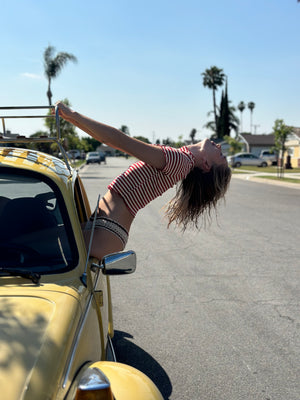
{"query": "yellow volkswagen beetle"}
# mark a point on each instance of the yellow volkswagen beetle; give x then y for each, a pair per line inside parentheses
(55, 302)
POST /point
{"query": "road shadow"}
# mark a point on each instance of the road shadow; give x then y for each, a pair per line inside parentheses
(131, 354)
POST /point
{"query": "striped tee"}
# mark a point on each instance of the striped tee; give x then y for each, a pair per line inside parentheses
(142, 183)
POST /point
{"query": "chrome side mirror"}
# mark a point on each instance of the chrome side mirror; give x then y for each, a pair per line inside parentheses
(117, 263)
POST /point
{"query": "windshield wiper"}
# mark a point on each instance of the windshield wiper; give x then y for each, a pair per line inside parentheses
(23, 273)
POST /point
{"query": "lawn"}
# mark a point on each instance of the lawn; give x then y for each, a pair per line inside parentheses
(292, 180)
(271, 169)
(77, 163)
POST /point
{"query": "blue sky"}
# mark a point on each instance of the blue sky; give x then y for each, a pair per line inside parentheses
(140, 62)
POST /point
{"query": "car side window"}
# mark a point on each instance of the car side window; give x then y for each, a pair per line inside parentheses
(81, 200)
(35, 229)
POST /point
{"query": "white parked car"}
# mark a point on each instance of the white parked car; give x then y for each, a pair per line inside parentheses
(239, 159)
(269, 156)
(93, 157)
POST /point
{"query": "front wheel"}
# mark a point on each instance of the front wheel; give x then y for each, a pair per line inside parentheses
(237, 165)
(264, 164)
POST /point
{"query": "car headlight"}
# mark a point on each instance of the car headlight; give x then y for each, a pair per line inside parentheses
(93, 385)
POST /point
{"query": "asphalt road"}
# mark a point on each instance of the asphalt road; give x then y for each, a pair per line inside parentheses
(214, 314)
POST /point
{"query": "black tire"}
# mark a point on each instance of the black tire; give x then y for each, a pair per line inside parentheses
(237, 165)
(264, 164)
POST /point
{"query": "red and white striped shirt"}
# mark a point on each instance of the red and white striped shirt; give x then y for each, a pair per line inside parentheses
(142, 183)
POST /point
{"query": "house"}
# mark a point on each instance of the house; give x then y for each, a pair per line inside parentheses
(256, 143)
(293, 147)
(8, 134)
(107, 150)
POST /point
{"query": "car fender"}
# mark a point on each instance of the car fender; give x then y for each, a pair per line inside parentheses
(124, 382)
(128, 383)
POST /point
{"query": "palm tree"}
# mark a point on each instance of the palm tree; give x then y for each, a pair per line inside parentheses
(251, 106)
(241, 107)
(53, 65)
(193, 134)
(213, 78)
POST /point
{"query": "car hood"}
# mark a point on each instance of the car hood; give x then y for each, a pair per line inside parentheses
(36, 331)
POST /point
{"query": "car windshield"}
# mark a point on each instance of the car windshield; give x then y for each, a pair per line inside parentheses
(35, 229)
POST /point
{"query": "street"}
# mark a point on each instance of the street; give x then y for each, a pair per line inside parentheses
(213, 314)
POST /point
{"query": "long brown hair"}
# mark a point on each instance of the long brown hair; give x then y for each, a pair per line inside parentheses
(197, 195)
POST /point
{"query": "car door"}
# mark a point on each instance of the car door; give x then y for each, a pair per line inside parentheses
(101, 284)
(251, 159)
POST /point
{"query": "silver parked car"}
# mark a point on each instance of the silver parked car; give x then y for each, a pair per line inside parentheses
(93, 157)
(239, 159)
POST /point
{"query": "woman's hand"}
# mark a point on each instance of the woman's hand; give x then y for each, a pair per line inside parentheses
(63, 111)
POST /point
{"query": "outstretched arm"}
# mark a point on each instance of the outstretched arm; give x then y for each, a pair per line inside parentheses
(148, 153)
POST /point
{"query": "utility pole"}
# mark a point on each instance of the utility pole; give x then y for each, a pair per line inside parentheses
(153, 137)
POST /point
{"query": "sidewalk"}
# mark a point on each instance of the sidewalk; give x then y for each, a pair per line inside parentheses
(254, 176)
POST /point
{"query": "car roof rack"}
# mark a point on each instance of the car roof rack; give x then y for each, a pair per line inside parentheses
(42, 139)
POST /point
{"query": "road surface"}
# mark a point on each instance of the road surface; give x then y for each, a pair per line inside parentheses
(214, 314)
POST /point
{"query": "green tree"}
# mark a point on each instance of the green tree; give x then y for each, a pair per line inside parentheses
(179, 143)
(43, 146)
(142, 139)
(168, 142)
(233, 120)
(234, 145)
(226, 119)
(66, 128)
(211, 124)
(281, 133)
(193, 134)
(213, 78)
(89, 144)
(68, 132)
(53, 64)
(223, 128)
(125, 129)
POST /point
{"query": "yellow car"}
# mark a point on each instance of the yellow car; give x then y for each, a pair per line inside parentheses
(55, 302)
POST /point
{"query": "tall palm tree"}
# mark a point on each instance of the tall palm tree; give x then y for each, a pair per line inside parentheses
(53, 65)
(241, 107)
(213, 78)
(193, 134)
(251, 106)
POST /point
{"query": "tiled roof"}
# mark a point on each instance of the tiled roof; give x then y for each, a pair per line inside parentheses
(258, 140)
